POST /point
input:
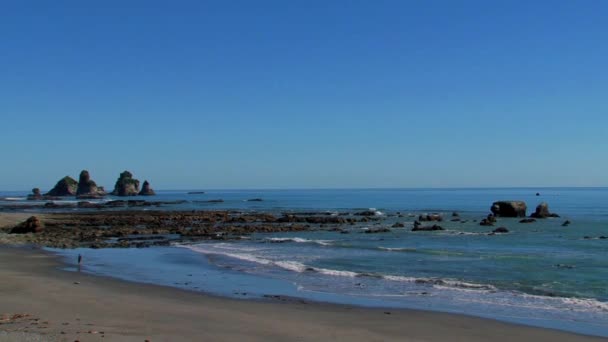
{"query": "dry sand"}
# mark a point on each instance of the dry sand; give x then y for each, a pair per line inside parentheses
(68, 306)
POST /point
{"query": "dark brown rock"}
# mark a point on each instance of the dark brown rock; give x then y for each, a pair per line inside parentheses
(35, 195)
(87, 188)
(377, 230)
(500, 230)
(542, 211)
(527, 220)
(430, 217)
(31, 225)
(146, 190)
(366, 213)
(126, 185)
(509, 209)
(488, 221)
(427, 228)
(66, 186)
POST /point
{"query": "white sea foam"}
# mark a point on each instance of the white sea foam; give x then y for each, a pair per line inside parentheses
(505, 298)
(300, 240)
(376, 212)
(391, 249)
(436, 282)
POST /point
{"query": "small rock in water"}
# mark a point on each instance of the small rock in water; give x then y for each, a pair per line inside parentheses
(566, 223)
(500, 230)
(489, 221)
(428, 228)
(528, 220)
(542, 211)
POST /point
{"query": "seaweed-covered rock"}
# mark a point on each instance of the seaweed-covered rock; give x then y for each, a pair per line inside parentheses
(146, 190)
(66, 186)
(31, 225)
(509, 209)
(542, 211)
(87, 188)
(35, 195)
(126, 185)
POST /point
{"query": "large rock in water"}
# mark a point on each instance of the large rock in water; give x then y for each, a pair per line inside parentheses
(146, 190)
(126, 185)
(31, 225)
(509, 209)
(87, 188)
(66, 186)
(35, 195)
(542, 211)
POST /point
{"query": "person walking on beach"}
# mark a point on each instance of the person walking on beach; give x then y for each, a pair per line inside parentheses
(79, 260)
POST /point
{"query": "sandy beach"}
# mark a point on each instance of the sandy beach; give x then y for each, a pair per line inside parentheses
(40, 302)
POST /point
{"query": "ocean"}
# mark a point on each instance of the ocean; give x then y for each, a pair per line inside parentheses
(540, 273)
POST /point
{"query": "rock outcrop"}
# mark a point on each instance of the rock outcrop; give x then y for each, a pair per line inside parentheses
(430, 217)
(509, 209)
(542, 211)
(31, 225)
(146, 190)
(126, 185)
(87, 188)
(66, 186)
(500, 230)
(35, 195)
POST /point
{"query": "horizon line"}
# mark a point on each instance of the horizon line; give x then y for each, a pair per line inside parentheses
(369, 188)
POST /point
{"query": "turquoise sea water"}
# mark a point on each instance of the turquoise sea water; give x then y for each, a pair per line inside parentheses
(539, 273)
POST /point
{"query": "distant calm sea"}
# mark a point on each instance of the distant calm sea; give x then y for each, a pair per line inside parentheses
(539, 274)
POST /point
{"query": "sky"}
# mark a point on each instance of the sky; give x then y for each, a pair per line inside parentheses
(305, 94)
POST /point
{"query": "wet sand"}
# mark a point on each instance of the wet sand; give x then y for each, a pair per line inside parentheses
(59, 305)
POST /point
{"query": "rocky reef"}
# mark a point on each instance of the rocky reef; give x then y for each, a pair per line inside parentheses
(146, 190)
(509, 209)
(87, 188)
(66, 186)
(126, 185)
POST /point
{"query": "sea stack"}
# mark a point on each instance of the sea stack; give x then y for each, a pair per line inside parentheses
(35, 195)
(87, 188)
(146, 190)
(126, 185)
(66, 186)
(509, 209)
(542, 211)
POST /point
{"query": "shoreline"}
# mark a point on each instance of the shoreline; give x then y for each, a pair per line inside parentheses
(85, 307)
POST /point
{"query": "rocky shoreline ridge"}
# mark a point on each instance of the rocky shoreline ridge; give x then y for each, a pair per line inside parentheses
(124, 224)
(86, 188)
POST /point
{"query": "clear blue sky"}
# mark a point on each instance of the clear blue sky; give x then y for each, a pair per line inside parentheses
(284, 94)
